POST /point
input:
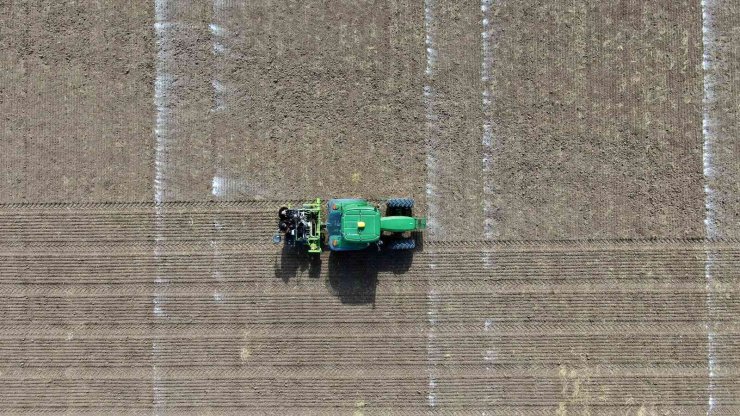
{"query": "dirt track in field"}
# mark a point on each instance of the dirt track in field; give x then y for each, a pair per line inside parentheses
(578, 161)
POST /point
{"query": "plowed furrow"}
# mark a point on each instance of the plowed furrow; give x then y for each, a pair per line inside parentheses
(78, 229)
(265, 307)
(474, 350)
(386, 284)
(658, 268)
(44, 331)
(391, 391)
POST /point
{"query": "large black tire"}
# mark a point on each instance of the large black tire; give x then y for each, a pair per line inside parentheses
(405, 244)
(400, 203)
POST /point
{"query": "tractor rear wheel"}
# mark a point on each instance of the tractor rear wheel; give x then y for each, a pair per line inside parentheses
(404, 244)
(400, 203)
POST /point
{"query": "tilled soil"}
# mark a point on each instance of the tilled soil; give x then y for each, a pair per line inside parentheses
(526, 327)
(565, 271)
(76, 101)
(597, 108)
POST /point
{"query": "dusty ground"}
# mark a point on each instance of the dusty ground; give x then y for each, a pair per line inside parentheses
(568, 275)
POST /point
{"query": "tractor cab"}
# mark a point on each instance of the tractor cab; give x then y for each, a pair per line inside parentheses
(352, 224)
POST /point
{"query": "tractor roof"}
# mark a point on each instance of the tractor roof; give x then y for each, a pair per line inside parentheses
(361, 224)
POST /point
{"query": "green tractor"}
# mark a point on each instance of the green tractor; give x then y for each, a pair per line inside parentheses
(352, 224)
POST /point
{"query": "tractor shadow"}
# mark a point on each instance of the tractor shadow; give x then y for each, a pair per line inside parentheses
(353, 275)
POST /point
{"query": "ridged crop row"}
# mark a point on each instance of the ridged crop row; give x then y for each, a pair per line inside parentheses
(457, 390)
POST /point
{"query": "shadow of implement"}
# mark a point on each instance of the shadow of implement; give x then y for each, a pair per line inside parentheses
(296, 260)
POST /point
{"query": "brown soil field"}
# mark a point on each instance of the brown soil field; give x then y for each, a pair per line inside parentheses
(578, 162)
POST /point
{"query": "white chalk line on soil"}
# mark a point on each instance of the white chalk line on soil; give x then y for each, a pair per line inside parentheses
(162, 85)
(490, 354)
(432, 198)
(218, 33)
(710, 223)
(218, 185)
(487, 139)
(432, 192)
